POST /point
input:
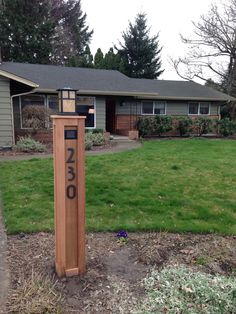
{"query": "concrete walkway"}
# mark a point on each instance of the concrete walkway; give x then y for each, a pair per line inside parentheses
(117, 147)
(4, 271)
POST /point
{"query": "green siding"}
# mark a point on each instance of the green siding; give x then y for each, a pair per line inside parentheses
(6, 128)
(176, 108)
(101, 113)
(126, 108)
(214, 109)
(173, 108)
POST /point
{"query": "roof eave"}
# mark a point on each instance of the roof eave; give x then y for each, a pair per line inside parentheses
(138, 95)
(18, 78)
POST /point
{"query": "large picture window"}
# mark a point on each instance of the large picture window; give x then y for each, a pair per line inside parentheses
(199, 108)
(154, 108)
(85, 106)
(28, 103)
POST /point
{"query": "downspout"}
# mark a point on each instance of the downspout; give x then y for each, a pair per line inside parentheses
(12, 114)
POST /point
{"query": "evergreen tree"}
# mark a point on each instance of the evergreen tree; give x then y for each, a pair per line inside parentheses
(72, 35)
(99, 59)
(140, 52)
(86, 61)
(112, 60)
(26, 30)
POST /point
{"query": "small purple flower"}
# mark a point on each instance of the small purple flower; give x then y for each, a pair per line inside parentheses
(122, 234)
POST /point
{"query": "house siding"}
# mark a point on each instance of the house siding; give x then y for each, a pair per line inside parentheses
(173, 108)
(6, 127)
(214, 109)
(176, 108)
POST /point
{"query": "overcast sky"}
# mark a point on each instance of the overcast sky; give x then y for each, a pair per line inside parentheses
(109, 18)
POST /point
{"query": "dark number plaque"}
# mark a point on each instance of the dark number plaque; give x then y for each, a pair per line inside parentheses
(71, 188)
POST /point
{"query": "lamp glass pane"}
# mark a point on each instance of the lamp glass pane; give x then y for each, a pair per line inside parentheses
(65, 94)
(72, 95)
(68, 105)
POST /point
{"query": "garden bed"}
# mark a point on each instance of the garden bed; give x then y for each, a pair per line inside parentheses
(115, 270)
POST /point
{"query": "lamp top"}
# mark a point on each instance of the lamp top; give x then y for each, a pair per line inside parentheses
(66, 88)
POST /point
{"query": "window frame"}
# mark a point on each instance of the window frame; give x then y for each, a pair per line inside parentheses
(199, 106)
(153, 108)
(95, 111)
(47, 106)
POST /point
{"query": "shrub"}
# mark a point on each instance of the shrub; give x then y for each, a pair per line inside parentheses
(162, 124)
(98, 139)
(94, 131)
(143, 125)
(28, 144)
(184, 125)
(203, 125)
(88, 142)
(156, 125)
(94, 139)
(226, 127)
(35, 116)
(182, 290)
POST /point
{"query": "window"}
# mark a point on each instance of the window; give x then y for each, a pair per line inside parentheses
(193, 108)
(159, 107)
(204, 108)
(148, 107)
(27, 111)
(53, 106)
(85, 106)
(153, 107)
(201, 108)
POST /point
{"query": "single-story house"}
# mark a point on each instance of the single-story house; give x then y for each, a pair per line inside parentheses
(111, 100)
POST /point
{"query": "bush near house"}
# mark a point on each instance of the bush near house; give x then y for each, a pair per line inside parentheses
(203, 125)
(162, 124)
(227, 127)
(94, 139)
(159, 125)
(183, 125)
(28, 144)
(36, 117)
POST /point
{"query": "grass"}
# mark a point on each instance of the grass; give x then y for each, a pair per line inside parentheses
(178, 185)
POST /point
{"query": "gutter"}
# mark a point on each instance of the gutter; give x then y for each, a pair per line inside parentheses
(137, 95)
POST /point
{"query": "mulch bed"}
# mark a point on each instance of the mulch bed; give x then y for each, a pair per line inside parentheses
(49, 150)
(114, 269)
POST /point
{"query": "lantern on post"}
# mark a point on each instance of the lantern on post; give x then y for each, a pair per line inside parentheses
(67, 101)
(69, 186)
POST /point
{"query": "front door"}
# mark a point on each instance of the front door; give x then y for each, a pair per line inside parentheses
(111, 116)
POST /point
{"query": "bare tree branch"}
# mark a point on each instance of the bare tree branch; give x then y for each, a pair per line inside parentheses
(213, 47)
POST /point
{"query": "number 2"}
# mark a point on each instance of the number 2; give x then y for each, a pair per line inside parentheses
(70, 159)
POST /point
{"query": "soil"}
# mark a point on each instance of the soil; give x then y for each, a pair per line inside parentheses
(115, 268)
(49, 150)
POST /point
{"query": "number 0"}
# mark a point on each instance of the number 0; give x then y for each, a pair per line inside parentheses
(71, 191)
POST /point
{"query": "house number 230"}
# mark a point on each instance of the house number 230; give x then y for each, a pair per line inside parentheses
(71, 188)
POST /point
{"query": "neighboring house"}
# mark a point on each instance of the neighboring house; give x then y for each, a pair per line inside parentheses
(114, 100)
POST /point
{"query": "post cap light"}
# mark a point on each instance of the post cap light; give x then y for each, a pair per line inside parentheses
(67, 101)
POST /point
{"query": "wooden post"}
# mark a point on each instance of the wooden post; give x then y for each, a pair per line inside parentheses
(69, 194)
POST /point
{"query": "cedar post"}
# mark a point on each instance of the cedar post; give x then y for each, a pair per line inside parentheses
(69, 194)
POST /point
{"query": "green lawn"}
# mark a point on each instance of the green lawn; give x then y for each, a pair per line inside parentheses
(174, 185)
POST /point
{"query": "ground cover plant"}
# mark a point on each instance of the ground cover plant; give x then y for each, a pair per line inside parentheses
(179, 289)
(175, 185)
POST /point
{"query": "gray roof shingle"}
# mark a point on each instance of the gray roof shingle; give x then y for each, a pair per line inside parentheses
(50, 77)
